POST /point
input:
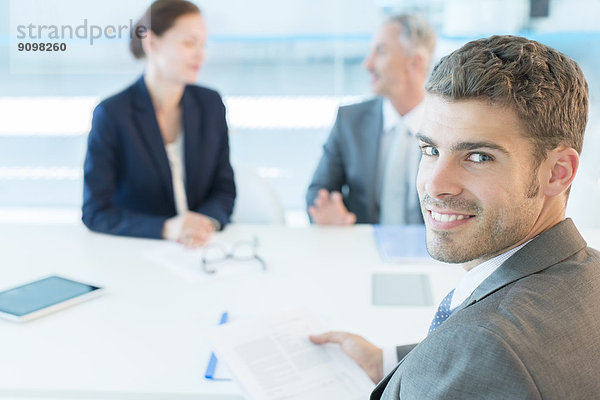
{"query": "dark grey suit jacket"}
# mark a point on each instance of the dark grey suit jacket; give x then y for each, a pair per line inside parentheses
(349, 161)
(529, 331)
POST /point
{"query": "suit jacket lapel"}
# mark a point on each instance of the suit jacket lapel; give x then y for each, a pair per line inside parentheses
(192, 120)
(147, 125)
(372, 124)
(550, 247)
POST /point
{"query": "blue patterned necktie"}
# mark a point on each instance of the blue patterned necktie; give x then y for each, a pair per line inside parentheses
(443, 312)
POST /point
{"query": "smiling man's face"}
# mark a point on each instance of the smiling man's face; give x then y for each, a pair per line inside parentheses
(477, 183)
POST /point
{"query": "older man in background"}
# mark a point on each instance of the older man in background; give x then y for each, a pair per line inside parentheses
(369, 163)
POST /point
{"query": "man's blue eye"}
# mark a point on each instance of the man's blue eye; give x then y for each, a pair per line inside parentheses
(480, 157)
(430, 151)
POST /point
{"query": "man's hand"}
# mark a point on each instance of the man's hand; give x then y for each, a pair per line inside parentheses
(368, 356)
(329, 209)
(190, 229)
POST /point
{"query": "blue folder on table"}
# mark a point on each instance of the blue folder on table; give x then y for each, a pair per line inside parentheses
(401, 242)
(213, 360)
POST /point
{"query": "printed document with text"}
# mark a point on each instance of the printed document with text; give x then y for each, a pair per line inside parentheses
(273, 359)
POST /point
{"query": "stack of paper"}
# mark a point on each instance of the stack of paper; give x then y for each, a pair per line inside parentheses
(273, 359)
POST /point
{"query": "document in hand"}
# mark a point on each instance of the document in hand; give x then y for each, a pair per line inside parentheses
(272, 358)
(397, 243)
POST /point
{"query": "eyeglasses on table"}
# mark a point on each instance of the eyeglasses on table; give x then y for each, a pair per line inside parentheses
(244, 250)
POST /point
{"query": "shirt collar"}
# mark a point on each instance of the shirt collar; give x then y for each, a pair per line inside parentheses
(477, 275)
(412, 119)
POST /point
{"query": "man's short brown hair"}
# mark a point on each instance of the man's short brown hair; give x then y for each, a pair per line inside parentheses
(545, 87)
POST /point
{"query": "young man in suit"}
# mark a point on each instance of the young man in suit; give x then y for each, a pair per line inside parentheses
(357, 158)
(504, 126)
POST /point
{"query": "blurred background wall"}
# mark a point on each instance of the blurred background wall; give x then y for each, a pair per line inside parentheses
(283, 67)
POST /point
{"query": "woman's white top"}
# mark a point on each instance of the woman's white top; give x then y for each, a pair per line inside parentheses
(175, 155)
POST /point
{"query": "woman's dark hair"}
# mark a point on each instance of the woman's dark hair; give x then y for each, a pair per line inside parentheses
(159, 17)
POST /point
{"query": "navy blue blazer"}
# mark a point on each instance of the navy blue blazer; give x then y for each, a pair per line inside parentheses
(127, 185)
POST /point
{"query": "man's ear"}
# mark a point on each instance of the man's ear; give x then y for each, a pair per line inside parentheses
(563, 163)
(417, 62)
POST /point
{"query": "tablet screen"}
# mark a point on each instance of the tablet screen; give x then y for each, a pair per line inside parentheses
(40, 294)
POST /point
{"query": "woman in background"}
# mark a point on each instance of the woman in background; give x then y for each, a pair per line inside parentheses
(157, 163)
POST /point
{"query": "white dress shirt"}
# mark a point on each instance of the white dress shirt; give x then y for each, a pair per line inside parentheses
(175, 155)
(466, 286)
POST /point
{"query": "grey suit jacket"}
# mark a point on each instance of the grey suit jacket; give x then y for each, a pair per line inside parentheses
(349, 161)
(529, 331)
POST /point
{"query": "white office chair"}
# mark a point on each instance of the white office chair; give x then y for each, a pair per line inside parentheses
(585, 196)
(585, 193)
(256, 201)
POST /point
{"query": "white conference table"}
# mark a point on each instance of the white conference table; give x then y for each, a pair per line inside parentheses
(144, 339)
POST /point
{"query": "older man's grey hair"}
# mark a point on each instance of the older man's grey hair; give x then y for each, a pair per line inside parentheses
(416, 34)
